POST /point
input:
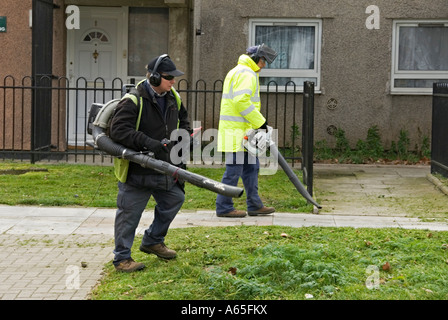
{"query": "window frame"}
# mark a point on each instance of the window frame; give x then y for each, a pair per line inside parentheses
(291, 73)
(397, 74)
(127, 32)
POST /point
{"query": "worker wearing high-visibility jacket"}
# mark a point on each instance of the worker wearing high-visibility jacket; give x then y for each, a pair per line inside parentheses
(240, 112)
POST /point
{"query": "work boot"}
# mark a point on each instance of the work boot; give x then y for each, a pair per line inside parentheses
(129, 265)
(233, 214)
(160, 250)
(263, 210)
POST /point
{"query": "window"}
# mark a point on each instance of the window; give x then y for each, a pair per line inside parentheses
(419, 56)
(95, 35)
(148, 37)
(298, 44)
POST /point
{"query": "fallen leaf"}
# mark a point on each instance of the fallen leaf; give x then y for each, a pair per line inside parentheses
(284, 235)
(232, 271)
(308, 296)
(386, 266)
(368, 243)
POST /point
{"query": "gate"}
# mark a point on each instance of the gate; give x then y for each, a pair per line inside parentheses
(42, 61)
(439, 147)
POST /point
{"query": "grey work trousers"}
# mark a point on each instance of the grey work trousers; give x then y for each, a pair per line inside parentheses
(132, 199)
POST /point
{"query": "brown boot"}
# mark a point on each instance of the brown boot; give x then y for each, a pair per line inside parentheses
(233, 214)
(160, 250)
(263, 210)
(129, 265)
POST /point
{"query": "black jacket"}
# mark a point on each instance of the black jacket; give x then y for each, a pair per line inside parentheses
(154, 127)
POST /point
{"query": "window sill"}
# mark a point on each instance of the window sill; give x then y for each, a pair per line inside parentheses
(411, 92)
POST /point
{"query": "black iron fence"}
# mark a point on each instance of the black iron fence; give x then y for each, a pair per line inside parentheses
(439, 150)
(308, 135)
(67, 107)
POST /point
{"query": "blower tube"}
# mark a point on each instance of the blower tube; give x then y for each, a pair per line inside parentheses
(106, 144)
(257, 141)
(291, 175)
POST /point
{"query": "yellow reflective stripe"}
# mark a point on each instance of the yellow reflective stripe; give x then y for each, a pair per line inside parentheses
(231, 94)
(177, 96)
(132, 97)
(135, 100)
(139, 114)
(248, 110)
(179, 102)
(233, 119)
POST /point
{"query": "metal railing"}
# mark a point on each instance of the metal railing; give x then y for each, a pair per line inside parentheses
(70, 101)
(308, 135)
(439, 151)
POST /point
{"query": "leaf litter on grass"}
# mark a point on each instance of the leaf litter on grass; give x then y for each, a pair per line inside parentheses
(248, 262)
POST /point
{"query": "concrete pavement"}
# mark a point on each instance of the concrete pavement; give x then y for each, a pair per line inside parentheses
(58, 253)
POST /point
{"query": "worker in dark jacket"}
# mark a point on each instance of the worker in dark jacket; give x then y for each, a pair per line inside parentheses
(161, 114)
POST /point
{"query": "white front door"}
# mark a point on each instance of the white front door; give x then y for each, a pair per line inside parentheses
(96, 56)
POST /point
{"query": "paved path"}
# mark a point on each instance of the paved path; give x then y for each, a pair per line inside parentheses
(59, 253)
(369, 190)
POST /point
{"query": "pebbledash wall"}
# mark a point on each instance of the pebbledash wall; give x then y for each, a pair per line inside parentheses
(16, 63)
(355, 64)
(16, 69)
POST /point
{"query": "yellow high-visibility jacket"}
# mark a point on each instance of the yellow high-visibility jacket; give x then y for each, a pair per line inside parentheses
(240, 105)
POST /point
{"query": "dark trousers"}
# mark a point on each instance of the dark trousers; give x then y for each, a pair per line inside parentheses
(245, 166)
(132, 199)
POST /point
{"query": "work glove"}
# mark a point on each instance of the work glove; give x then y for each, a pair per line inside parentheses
(165, 143)
(263, 138)
(269, 132)
(156, 146)
(260, 139)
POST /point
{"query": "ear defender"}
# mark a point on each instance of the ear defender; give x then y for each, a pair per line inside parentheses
(155, 79)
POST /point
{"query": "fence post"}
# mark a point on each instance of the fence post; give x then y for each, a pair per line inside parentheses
(308, 135)
(439, 150)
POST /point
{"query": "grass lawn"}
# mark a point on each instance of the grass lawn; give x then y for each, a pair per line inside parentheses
(271, 263)
(246, 262)
(96, 186)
